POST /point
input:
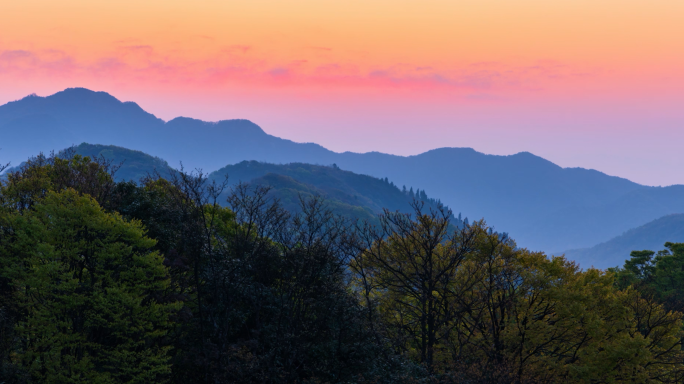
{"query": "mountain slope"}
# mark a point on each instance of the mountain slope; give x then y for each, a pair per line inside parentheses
(133, 165)
(76, 115)
(347, 193)
(543, 206)
(649, 236)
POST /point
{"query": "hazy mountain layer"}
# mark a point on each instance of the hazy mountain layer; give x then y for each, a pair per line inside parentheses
(347, 193)
(542, 205)
(132, 165)
(649, 236)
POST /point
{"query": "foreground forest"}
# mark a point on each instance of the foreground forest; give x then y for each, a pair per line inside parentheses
(122, 282)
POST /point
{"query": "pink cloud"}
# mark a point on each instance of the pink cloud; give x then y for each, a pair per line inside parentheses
(146, 66)
(28, 63)
(146, 49)
(279, 72)
(18, 54)
(109, 65)
(238, 48)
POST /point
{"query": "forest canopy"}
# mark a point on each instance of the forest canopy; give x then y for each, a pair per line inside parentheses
(105, 281)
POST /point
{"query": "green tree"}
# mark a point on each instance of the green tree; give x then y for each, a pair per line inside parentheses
(659, 275)
(88, 285)
(90, 176)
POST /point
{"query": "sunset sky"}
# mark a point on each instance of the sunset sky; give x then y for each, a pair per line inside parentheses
(590, 83)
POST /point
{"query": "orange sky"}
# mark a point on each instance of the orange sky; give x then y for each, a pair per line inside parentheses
(546, 72)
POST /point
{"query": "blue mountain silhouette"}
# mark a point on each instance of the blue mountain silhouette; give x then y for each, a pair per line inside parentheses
(542, 206)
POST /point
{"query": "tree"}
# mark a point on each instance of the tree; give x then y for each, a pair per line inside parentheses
(533, 319)
(473, 307)
(88, 286)
(277, 302)
(266, 292)
(41, 174)
(407, 269)
(659, 275)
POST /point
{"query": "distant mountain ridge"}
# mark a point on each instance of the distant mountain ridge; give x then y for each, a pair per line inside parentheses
(131, 165)
(542, 205)
(349, 193)
(650, 236)
(354, 196)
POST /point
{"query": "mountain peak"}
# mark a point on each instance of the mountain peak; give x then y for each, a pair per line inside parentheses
(84, 95)
(242, 124)
(235, 126)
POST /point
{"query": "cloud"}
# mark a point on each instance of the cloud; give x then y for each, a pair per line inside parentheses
(421, 77)
(143, 64)
(18, 54)
(128, 40)
(298, 63)
(482, 97)
(482, 64)
(29, 63)
(379, 74)
(330, 68)
(109, 64)
(238, 48)
(279, 72)
(144, 50)
(139, 48)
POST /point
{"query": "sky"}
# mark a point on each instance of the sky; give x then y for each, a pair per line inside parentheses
(583, 83)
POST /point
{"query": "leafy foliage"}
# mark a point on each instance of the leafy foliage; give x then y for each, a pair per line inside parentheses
(473, 307)
(659, 275)
(87, 284)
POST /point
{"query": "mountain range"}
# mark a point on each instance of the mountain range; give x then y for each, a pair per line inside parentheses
(348, 193)
(650, 236)
(542, 206)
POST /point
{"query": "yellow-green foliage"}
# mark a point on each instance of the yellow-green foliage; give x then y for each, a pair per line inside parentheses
(42, 174)
(491, 312)
(91, 291)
